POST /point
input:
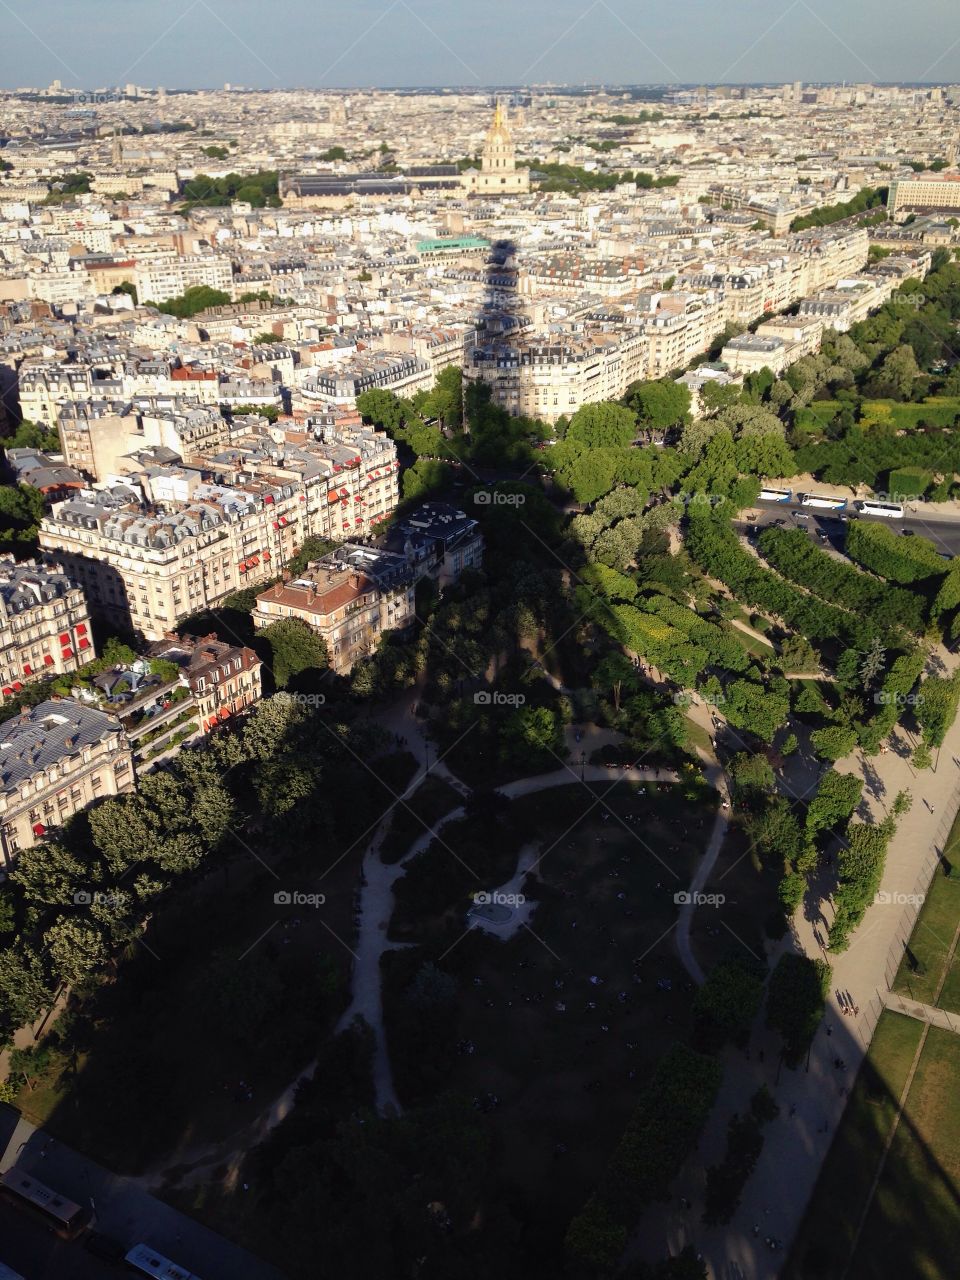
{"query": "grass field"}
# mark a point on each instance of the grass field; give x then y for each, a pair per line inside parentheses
(913, 1225)
(826, 1235)
(569, 1016)
(931, 955)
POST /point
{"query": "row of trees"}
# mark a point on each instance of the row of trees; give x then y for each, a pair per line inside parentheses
(796, 558)
(658, 1138)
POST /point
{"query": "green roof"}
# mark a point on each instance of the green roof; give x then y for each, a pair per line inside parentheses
(452, 242)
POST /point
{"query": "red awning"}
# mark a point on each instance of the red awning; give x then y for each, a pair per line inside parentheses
(68, 653)
(302, 498)
(39, 829)
(283, 521)
(224, 713)
(243, 566)
(343, 493)
(266, 555)
(7, 691)
(17, 686)
(27, 669)
(48, 658)
(64, 637)
(84, 644)
(268, 497)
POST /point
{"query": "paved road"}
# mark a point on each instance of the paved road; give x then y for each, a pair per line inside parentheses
(124, 1211)
(941, 527)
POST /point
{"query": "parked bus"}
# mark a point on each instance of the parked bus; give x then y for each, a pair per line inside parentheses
(775, 495)
(145, 1261)
(892, 510)
(823, 501)
(64, 1217)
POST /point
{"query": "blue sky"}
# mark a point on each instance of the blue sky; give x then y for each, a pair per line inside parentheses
(281, 43)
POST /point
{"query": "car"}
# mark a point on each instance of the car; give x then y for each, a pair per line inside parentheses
(800, 515)
(780, 522)
(821, 535)
(751, 519)
(907, 533)
(105, 1247)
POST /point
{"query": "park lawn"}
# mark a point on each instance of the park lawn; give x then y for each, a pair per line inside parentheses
(560, 1077)
(931, 944)
(913, 1225)
(826, 1234)
(744, 920)
(756, 647)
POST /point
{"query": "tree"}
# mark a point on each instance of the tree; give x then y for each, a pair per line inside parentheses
(902, 803)
(49, 873)
(76, 949)
(922, 757)
(795, 1000)
(602, 425)
(659, 405)
(834, 742)
(199, 297)
(613, 673)
(752, 772)
(731, 996)
(293, 648)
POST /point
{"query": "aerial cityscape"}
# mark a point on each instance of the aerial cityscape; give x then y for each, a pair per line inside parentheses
(479, 642)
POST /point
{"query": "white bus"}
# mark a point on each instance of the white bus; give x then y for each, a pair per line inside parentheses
(145, 1261)
(63, 1216)
(892, 510)
(775, 495)
(823, 501)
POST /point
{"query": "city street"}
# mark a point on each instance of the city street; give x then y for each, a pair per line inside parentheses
(125, 1211)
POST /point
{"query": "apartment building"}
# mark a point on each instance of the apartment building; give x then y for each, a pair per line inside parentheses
(545, 376)
(850, 301)
(401, 372)
(44, 623)
(164, 277)
(350, 598)
(55, 759)
(678, 328)
(930, 193)
(749, 353)
(223, 678)
(176, 539)
(98, 436)
(438, 541)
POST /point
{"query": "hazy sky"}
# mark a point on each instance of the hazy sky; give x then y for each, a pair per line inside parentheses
(278, 43)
